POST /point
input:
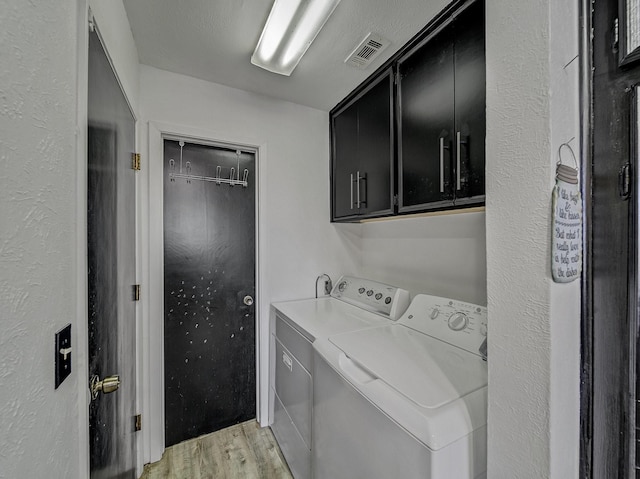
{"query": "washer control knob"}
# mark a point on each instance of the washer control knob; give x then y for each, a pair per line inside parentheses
(378, 296)
(387, 300)
(360, 290)
(342, 286)
(458, 321)
(434, 314)
(370, 292)
(483, 329)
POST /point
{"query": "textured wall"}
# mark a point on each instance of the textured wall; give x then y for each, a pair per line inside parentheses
(518, 187)
(533, 340)
(38, 425)
(565, 298)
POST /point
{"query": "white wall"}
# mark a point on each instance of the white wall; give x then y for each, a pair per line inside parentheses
(115, 32)
(296, 239)
(440, 255)
(534, 323)
(564, 298)
(39, 426)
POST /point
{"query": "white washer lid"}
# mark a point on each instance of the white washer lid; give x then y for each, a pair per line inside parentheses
(427, 371)
(324, 317)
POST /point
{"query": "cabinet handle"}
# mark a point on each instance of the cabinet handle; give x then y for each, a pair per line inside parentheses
(441, 165)
(287, 361)
(458, 146)
(351, 196)
(358, 189)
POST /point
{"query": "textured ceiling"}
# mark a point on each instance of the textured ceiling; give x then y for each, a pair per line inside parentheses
(214, 39)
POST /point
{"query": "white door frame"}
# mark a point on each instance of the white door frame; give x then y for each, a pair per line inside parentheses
(151, 363)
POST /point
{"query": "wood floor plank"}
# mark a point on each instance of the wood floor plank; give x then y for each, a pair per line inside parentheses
(243, 451)
(265, 449)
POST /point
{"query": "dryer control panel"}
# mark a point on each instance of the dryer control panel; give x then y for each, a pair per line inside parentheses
(388, 301)
(455, 322)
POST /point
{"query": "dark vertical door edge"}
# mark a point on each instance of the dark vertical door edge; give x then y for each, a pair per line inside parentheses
(610, 290)
(111, 268)
(586, 326)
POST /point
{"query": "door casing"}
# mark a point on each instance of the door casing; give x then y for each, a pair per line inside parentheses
(152, 347)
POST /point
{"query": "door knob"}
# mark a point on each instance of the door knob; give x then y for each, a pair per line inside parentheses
(106, 386)
(248, 300)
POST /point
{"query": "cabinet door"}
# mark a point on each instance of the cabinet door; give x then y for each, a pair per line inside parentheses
(470, 87)
(375, 148)
(425, 128)
(344, 161)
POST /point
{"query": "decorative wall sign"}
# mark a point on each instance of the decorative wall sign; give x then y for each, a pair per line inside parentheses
(629, 31)
(566, 230)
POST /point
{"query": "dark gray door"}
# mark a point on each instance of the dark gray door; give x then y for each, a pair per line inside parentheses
(375, 147)
(345, 161)
(610, 389)
(209, 285)
(470, 111)
(362, 152)
(441, 117)
(426, 119)
(111, 268)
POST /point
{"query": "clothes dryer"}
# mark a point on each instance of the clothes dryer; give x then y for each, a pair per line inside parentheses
(354, 304)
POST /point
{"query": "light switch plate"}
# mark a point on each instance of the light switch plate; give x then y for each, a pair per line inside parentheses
(62, 354)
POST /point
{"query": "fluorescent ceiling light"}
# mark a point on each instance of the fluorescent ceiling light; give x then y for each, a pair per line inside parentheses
(290, 29)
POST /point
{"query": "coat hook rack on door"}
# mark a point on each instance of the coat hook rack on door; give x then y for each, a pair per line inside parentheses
(234, 175)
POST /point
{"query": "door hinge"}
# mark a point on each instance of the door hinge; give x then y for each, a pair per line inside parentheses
(395, 200)
(624, 181)
(135, 161)
(136, 292)
(396, 78)
(616, 34)
(138, 422)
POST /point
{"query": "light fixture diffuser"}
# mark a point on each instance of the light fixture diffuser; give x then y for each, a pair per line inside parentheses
(290, 29)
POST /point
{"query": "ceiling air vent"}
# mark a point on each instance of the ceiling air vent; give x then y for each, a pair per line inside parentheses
(367, 51)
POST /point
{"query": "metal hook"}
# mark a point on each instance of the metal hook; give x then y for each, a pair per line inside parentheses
(564, 172)
(571, 61)
(181, 143)
(567, 145)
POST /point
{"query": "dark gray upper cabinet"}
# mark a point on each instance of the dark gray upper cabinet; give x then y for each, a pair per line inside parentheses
(441, 117)
(362, 176)
(426, 109)
(421, 119)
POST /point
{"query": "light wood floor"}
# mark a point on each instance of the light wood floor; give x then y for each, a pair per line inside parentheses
(244, 451)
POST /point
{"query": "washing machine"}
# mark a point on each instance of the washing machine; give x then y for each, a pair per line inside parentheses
(404, 400)
(354, 304)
